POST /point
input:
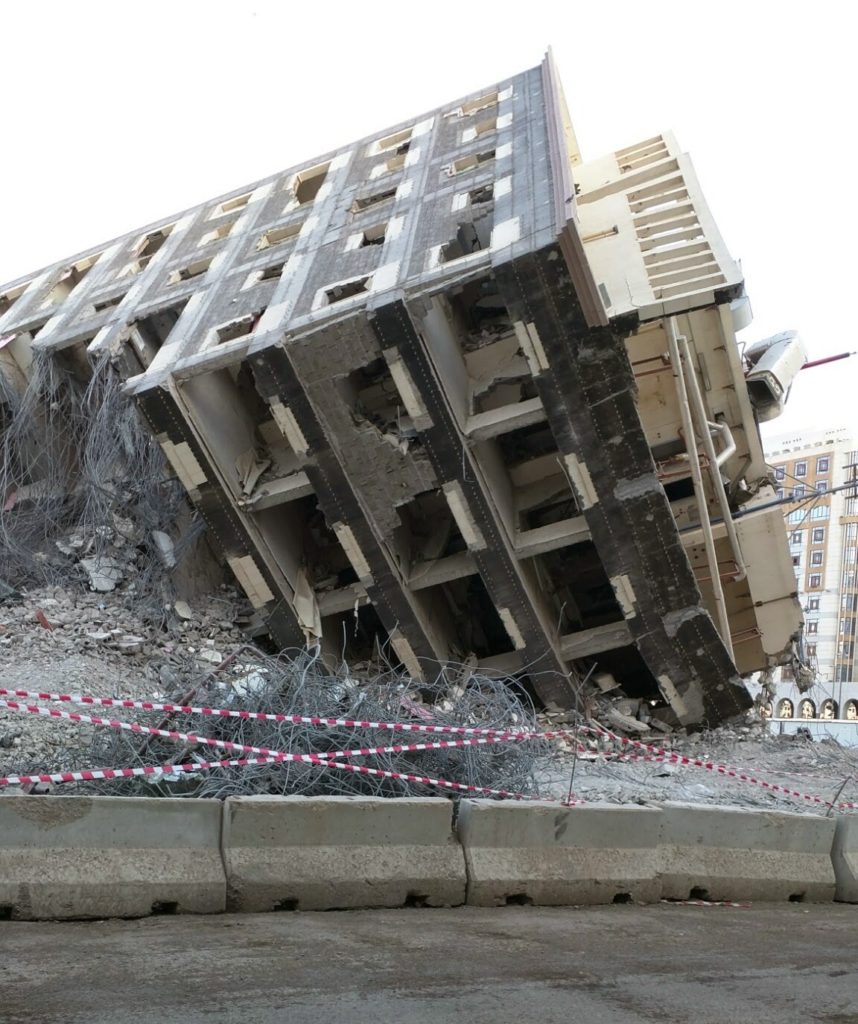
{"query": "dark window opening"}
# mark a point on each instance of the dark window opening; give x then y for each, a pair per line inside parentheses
(147, 335)
(307, 184)
(627, 666)
(237, 328)
(69, 280)
(110, 303)
(472, 161)
(482, 194)
(676, 490)
(578, 587)
(552, 511)
(427, 532)
(192, 270)
(471, 236)
(273, 272)
(346, 290)
(480, 314)
(278, 236)
(397, 143)
(375, 199)
(374, 235)
(152, 243)
(527, 443)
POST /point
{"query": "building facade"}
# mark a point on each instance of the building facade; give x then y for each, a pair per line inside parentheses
(455, 393)
(814, 469)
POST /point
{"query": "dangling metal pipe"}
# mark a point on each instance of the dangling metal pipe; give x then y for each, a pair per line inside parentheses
(673, 339)
(714, 460)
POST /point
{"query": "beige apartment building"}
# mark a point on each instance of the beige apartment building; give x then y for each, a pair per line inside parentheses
(813, 468)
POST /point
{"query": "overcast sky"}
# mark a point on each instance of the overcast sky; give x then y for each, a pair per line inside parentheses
(114, 115)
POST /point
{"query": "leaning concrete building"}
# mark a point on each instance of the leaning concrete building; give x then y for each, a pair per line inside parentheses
(454, 391)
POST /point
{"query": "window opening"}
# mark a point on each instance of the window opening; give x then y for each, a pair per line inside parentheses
(489, 99)
(192, 270)
(346, 290)
(376, 199)
(218, 233)
(306, 184)
(231, 205)
(468, 163)
(277, 236)
(374, 235)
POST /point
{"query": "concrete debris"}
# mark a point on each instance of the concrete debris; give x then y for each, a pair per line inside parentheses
(104, 573)
(165, 548)
(183, 610)
(625, 723)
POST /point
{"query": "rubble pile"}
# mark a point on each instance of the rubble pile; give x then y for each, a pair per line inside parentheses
(72, 640)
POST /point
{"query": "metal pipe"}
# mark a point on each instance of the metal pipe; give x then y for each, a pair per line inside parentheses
(725, 432)
(714, 464)
(697, 479)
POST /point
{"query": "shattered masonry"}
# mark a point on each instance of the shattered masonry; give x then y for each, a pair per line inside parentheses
(425, 392)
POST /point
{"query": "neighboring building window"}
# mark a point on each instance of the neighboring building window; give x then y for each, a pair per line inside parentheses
(785, 706)
(801, 469)
(816, 558)
(796, 559)
(796, 538)
(798, 491)
(815, 581)
(780, 472)
(780, 492)
(822, 486)
(818, 534)
(813, 604)
(820, 512)
(812, 627)
(822, 464)
(811, 650)
(797, 516)
(806, 709)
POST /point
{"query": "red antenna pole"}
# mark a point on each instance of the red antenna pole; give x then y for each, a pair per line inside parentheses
(826, 359)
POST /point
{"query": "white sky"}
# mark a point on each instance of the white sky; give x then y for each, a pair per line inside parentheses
(116, 114)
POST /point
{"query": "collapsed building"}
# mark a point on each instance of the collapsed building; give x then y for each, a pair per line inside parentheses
(453, 392)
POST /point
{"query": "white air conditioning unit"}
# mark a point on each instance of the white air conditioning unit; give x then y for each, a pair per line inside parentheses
(773, 364)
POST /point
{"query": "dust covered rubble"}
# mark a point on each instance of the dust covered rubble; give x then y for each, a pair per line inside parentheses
(821, 768)
(73, 641)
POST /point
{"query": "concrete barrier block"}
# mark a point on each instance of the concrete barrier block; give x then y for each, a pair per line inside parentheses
(326, 853)
(844, 858)
(725, 853)
(84, 857)
(549, 855)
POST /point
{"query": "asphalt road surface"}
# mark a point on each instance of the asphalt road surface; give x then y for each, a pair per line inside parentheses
(608, 965)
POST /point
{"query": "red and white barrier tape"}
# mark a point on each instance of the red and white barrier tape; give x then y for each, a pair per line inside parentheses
(96, 774)
(263, 716)
(494, 734)
(188, 737)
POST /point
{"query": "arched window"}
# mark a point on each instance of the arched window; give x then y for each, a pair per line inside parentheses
(785, 709)
(829, 709)
(807, 709)
(850, 710)
(766, 710)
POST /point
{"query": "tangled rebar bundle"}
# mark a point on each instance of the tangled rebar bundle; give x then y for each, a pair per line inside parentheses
(82, 478)
(299, 684)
